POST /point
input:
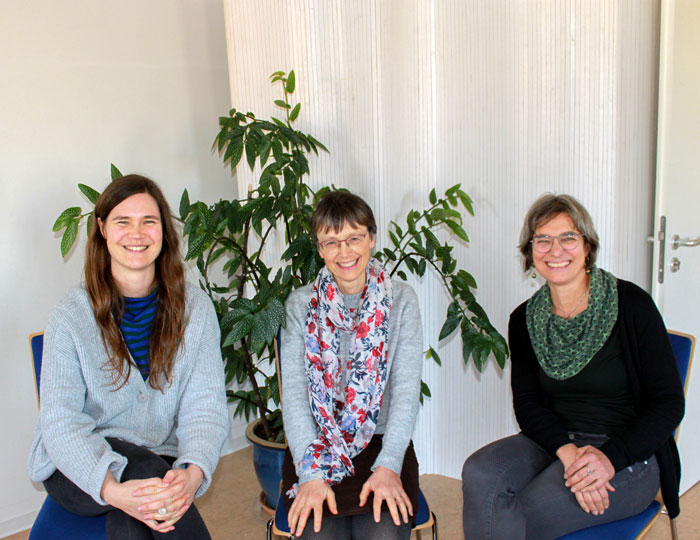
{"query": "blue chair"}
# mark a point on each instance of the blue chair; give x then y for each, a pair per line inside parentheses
(637, 526)
(279, 525)
(53, 522)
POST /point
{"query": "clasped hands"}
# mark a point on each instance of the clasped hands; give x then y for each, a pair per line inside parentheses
(587, 472)
(385, 484)
(144, 499)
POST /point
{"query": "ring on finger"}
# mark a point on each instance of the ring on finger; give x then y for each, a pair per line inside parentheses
(162, 511)
(589, 471)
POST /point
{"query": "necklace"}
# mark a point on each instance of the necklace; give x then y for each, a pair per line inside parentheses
(567, 315)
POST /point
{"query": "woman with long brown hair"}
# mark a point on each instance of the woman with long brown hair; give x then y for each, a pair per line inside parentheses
(133, 408)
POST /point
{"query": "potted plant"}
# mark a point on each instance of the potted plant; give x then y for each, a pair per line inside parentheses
(229, 239)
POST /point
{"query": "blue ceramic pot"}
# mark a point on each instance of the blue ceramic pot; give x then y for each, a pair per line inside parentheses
(267, 460)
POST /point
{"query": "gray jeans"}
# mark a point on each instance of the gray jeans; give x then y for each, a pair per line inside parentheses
(513, 489)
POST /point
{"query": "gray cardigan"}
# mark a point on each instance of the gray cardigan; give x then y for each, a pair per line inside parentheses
(80, 406)
(397, 415)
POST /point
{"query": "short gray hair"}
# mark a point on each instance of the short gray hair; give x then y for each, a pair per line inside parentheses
(546, 208)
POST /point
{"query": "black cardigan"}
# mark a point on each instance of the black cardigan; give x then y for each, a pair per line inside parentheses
(654, 380)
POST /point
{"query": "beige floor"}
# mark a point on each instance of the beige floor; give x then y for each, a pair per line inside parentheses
(231, 511)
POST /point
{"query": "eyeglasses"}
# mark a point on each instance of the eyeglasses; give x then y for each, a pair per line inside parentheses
(568, 241)
(331, 247)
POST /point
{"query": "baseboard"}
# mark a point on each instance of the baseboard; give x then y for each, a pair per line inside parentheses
(17, 524)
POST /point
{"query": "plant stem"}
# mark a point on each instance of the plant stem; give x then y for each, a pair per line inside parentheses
(262, 243)
(442, 278)
(250, 368)
(205, 274)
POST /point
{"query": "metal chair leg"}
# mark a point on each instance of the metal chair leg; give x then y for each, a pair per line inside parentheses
(435, 526)
(674, 530)
(269, 528)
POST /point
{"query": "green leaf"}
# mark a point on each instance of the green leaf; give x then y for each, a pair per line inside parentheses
(469, 336)
(291, 82)
(295, 112)
(114, 172)
(244, 303)
(264, 151)
(91, 194)
(69, 236)
(424, 389)
(91, 218)
(467, 278)
(466, 201)
(457, 229)
(394, 239)
(277, 314)
(196, 246)
(261, 328)
(66, 217)
(402, 274)
(433, 196)
(250, 152)
(283, 104)
(431, 353)
(234, 152)
(389, 254)
(279, 123)
(241, 329)
(184, 204)
(451, 321)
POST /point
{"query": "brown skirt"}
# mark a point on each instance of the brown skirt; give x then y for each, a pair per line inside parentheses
(347, 492)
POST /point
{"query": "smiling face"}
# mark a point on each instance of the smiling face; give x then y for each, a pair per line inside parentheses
(558, 266)
(134, 235)
(347, 264)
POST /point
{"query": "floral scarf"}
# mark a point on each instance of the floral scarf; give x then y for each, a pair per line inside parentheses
(346, 417)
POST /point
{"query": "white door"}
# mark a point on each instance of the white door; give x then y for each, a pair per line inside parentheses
(676, 270)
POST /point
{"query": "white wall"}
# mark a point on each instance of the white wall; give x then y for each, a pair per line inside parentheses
(86, 83)
(509, 98)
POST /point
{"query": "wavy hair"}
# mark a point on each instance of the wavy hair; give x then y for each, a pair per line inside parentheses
(108, 302)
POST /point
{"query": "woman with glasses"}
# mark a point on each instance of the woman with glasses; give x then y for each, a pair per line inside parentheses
(596, 393)
(351, 363)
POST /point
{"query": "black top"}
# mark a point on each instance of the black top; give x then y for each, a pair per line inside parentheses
(654, 382)
(598, 399)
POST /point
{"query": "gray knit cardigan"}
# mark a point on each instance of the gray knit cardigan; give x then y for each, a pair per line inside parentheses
(80, 406)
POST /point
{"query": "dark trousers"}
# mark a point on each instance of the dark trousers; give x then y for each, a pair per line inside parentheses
(141, 464)
(357, 527)
(513, 489)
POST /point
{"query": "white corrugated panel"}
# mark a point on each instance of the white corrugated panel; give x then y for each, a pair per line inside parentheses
(510, 98)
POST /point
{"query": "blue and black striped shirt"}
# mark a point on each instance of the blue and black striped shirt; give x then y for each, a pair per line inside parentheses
(136, 325)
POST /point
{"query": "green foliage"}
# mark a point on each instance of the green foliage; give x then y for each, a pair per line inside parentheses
(232, 235)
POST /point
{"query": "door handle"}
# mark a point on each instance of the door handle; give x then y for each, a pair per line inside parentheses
(677, 242)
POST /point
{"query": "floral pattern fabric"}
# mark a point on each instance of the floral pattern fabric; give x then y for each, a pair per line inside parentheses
(346, 417)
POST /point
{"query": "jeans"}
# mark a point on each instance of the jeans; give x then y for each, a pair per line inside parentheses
(513, 489)
(141, 464)
(357, 527)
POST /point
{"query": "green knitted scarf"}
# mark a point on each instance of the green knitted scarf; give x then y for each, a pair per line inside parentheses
(565, 346)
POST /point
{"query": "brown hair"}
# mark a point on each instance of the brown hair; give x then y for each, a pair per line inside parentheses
(338, 208)
(547, 207)
(107, 301)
